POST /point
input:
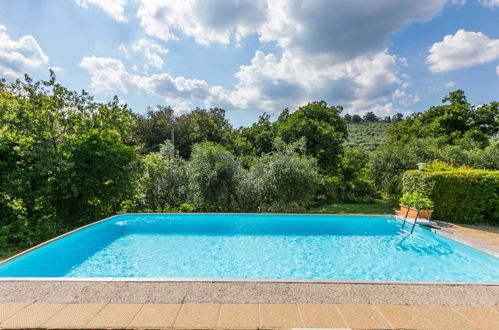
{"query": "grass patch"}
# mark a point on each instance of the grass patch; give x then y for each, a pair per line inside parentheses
(367, 135)
(372, 208)
(9, 252)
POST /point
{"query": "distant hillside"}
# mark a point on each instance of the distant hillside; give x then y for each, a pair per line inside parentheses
(367, 135)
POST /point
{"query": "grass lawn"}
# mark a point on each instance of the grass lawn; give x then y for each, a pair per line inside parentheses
(372, 208)
(5, 253)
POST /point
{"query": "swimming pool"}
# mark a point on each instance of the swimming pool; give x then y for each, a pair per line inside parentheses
(249, 246)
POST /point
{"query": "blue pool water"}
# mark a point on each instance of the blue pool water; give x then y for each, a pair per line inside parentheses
(257, 247)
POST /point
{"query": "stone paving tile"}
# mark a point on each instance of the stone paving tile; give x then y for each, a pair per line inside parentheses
(483, 317)
(444, 317)
(321, 316)
(73, 316)
(114, 316)
(32, 316)
(239, 316)
(198, 316)
(363, 317)
(156, 316)
(7, 310)
(280, 315)
(404, 317)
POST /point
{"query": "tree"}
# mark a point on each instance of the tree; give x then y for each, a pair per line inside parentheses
(356, 119)
(164, 182)
(322, 127)
(154, 127)
(65, 159)
(347, 117)
(371, 117)
(213, 177)
(456, 119)
(202, 125)
(282, 181)
(397, 117)
(254, 140)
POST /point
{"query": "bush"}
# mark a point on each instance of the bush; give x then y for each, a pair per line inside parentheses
(461, 195)
(284, 181)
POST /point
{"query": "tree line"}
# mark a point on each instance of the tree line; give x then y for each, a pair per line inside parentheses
(67, 160)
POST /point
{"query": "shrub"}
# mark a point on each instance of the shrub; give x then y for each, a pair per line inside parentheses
(461, 195)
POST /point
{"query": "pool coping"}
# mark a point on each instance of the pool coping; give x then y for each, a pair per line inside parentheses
(236, 280)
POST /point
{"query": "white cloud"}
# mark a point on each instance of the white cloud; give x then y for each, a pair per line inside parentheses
(489, 3)
(343, 28)
(16, 55)
(115, 8)
(205, 20)
(450, 84)
(56, 69)
(405, 98)
(109, 75)
(497, 70)
(269, 83)
(151, 50)
(461, 50)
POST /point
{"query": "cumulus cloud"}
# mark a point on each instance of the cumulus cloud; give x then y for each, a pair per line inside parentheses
(205, 20)
(108, 75)
(16, 55)
(331, 50)
(489, 3)
(463, 49)
(405, 98)
(450, 84)
(269, 83)
(151, 50)
(115, 8)
(345, 28)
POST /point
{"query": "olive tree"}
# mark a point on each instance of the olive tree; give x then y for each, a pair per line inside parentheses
(213, 177)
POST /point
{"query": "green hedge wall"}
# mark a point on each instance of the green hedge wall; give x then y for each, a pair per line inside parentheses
(463, 195)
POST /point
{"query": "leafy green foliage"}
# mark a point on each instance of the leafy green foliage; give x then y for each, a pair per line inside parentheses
(353, 180)
(282, 181)
(417, 199)
(455, 121)
(322, 127)
(462, 195)
(213, 177)
(64, 160)
(164, 181)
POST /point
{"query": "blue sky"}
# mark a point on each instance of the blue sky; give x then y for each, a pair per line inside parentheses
(251, 56)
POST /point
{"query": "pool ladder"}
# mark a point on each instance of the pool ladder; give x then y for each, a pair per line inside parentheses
(418, 208)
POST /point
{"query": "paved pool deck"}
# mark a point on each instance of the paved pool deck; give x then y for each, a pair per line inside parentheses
(225, 304)
(245, 316)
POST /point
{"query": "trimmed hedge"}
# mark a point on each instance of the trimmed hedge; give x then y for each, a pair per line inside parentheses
(462, 195)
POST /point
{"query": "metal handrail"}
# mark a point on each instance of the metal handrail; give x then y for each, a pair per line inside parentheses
(418, 208)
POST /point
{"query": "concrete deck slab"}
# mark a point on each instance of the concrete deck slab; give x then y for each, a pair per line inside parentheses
(443, 317)
(265, 316)
(321, 316)
(114, 316)
(32, 316)
(239, 316)
(364, 317)
(198, 316)
(280, 315)
(73, 316)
